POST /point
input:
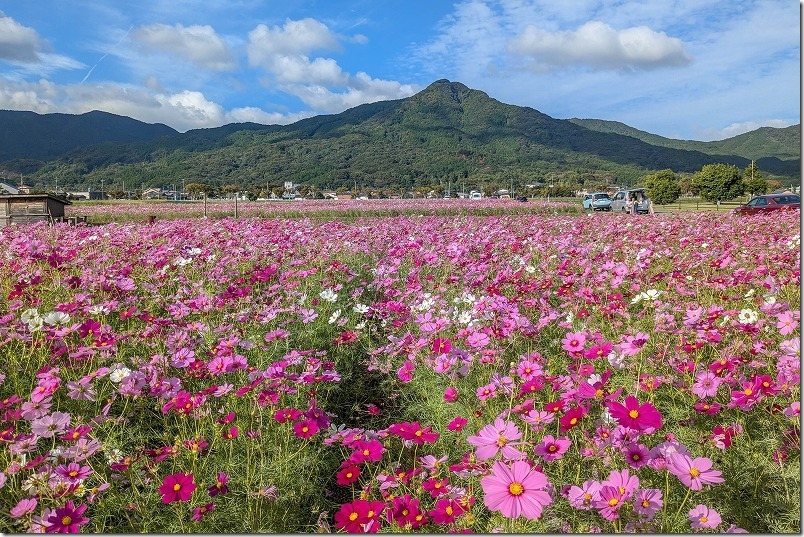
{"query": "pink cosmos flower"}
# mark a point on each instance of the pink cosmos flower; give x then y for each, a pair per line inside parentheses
(366, 450)
(642, 417)
(177, 488)
(647, 502)
(405, 510)
(515, 491)
(199, 512)
(348, 475)
(457, 424)
(23, 507)
(788, 322)
(571, 418)
(611, 499)
(573, 342)
(486, 392)
(701, 517)
(693, 473)
(636, 455)
(585, 496)
(446, 510)
(623, 481)
(73, 472)
(352, 517)
(498, 437)
(305, 428)
(450, 395)
(706, 384)
(551, 449)
(67, 519)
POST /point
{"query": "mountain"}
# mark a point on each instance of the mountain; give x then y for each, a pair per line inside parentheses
(28, 135)
(762, 143)
(446, 132)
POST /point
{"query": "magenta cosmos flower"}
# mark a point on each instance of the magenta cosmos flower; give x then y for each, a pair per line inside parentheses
(693, 473)
(177, 487)
(67, 519)
(515, 491)
(493, 438)
(552, 449)
(635, 416)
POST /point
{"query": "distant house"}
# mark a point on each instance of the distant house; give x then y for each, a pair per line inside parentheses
(5, 188)
(152, 193)
(28, 208)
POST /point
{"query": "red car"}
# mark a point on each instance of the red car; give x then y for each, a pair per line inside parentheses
(770, 202)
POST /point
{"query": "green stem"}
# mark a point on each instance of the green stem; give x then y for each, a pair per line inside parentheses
(681, 506)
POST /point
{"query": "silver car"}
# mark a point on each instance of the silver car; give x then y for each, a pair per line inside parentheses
(631, 201)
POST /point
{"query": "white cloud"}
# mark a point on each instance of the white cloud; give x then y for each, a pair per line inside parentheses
(257, 115)
(598, 45)
(197, 44)
(296, 37)
(740, 128)
(361, 89)
(299, 69)
(18, 43)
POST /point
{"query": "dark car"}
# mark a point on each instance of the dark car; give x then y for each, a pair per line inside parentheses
(770, 202)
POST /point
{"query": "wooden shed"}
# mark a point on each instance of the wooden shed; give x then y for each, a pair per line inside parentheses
(27, 208)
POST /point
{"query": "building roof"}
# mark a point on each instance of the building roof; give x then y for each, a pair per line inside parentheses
(35, 196)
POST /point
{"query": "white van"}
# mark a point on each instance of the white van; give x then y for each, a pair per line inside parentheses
(475, 195)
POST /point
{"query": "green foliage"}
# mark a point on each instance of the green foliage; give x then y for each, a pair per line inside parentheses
(447, 132)
(718, 182)
(663, 187)
(753, 181)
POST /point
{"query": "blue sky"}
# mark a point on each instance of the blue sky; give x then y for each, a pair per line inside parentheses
(687, 69)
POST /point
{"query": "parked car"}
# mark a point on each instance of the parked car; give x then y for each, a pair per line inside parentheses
(597, 201)
(770, 202)
(628, 201)
(475, 195)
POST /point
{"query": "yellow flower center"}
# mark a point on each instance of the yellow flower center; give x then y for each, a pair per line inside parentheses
(633, 414)
(552, 448)
(501, 441)
(598, 393)
(405, 512)
(703, 520)
(305, 429)
(66, 521)
(748, 391)
(177, 487)
(72, 473)
(366, 452)
(516, 488)
(645, 503)
(694, 472)
(353, 517)
(448, 510)
(573, 421)
(349, 475)
(418, 433)
(613, 502)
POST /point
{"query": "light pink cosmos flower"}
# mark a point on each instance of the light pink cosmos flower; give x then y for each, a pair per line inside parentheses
(517, 491)
(693, 473)
(585, 496)
(788, 322)
(706, 384)
(497, 438)
(51, 425)
(23, 507)
(701, 517)
(624, 482)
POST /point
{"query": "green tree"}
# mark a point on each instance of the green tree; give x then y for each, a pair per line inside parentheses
(663, 187)
(718, 182)
(753, 182)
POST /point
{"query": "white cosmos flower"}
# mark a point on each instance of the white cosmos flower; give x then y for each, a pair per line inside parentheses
(334, 316)
(360, 308)
(29, 315)
(748, 316)
(119, 374)
(329, 295)
(56, 317)
(97, 309)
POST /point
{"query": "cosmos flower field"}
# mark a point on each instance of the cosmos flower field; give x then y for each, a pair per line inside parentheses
(481, 371)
